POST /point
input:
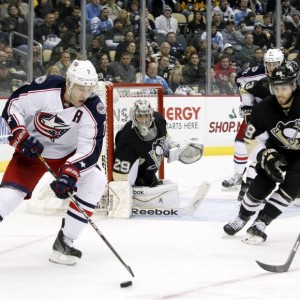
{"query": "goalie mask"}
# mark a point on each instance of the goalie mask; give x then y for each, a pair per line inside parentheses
(142, 116)
(81, 72)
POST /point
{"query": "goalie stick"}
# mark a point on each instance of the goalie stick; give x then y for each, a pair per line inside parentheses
(188, 210)
(41, 158)
(285, 267)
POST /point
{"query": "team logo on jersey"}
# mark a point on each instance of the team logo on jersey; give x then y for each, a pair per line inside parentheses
(288, 134)
(100, 108)
(40, 79)
(50, 125)
(157, 152)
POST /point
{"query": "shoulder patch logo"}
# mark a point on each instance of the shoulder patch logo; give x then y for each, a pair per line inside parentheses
(100, 108)
(40, 79)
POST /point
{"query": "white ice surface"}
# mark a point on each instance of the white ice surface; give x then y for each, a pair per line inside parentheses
(172, 258)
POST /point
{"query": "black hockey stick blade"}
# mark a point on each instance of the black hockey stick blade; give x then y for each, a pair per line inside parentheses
(285, 267)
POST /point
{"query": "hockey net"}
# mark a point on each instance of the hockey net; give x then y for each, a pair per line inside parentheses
(118, 98)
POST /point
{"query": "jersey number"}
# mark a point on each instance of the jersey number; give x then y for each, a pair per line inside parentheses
(250, 131)
(122, 166)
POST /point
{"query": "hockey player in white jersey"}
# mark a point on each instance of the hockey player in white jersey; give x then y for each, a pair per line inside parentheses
(63, 120)
(253, 85)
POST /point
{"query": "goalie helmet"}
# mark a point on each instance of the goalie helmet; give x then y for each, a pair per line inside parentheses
(81, 72)
(284, 74)
(142, 107)
(271, 56)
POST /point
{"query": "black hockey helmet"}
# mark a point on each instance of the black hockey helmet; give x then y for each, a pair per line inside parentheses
(286, 73)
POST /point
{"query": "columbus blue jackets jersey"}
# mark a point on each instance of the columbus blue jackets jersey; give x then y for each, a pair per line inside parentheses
(60, 127)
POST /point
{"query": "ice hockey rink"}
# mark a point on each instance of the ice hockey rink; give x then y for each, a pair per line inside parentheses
(172, 258)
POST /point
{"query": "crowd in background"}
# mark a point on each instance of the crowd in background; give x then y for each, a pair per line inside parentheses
(241, 32)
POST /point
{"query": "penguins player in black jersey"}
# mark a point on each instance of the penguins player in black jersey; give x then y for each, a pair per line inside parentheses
(273, 140)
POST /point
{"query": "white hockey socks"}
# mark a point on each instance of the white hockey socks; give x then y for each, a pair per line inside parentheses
(10, 199)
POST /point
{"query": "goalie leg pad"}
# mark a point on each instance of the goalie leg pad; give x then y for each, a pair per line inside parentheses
(165, 195)
(119, 199)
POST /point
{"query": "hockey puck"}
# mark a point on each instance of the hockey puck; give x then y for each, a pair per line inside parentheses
(126, 284)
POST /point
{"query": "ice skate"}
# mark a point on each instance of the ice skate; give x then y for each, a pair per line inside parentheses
(63, 251)
(233, 183)
(256, 233)
(235, 226)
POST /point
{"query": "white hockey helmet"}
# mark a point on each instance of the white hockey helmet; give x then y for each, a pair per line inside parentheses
(273, 55)
(141, 107)
(81, 72)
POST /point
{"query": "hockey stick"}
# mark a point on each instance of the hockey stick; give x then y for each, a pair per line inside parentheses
(188, 210)
(286, 265)
(88, 218)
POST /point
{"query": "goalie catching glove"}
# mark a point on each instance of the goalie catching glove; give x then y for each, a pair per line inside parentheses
(273, 163)
(28, 145)
(187, 153)
(66, 182)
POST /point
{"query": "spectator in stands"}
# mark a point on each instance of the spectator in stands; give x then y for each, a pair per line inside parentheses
(233, 36)
(165, 49)
(115, 35)
(68, 42)
(104, 69)
(241, 12)
(267, 23)
(187, 54)
(96, 49)
(134, 12)
(152, 77)
(234, 57)
(101, 24)
(53, 70)
(42, 8)
(11, 60)
(149, 34)
(193, 73)
(197, 25)
(231, 87)
(135, 57)
(201, 50)
(158, 5)
(17, 22)
(176, 49)
(124, 16)
(248, 24)
(217, 19)
(248, 51)
(64, 8)
(73, 22)
(287, 40)
(113, 9)
(123, 71)
(216, 86)
(165, 22)
(258, 58)
(225, 10)
(178, 86)
(37, 67)
(216, 39)
(64, 62)
(3, 57)
(287, 11)
(260, 39)
(223, 68)
(163, 69)
(293, 25)
(128, 38)
(93, 10)
(256, 7)
(47, 31)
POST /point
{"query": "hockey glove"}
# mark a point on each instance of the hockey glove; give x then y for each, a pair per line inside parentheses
(66, 182)
(273, 163)
(245, 112)
(26, 144)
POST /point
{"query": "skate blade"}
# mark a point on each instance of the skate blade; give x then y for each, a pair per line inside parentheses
(253, 240)
(61, 259)
(230, 189)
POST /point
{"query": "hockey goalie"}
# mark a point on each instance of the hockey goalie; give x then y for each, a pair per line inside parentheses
(140, 147)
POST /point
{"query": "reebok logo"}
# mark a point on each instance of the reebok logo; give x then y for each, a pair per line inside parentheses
(155, 212)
